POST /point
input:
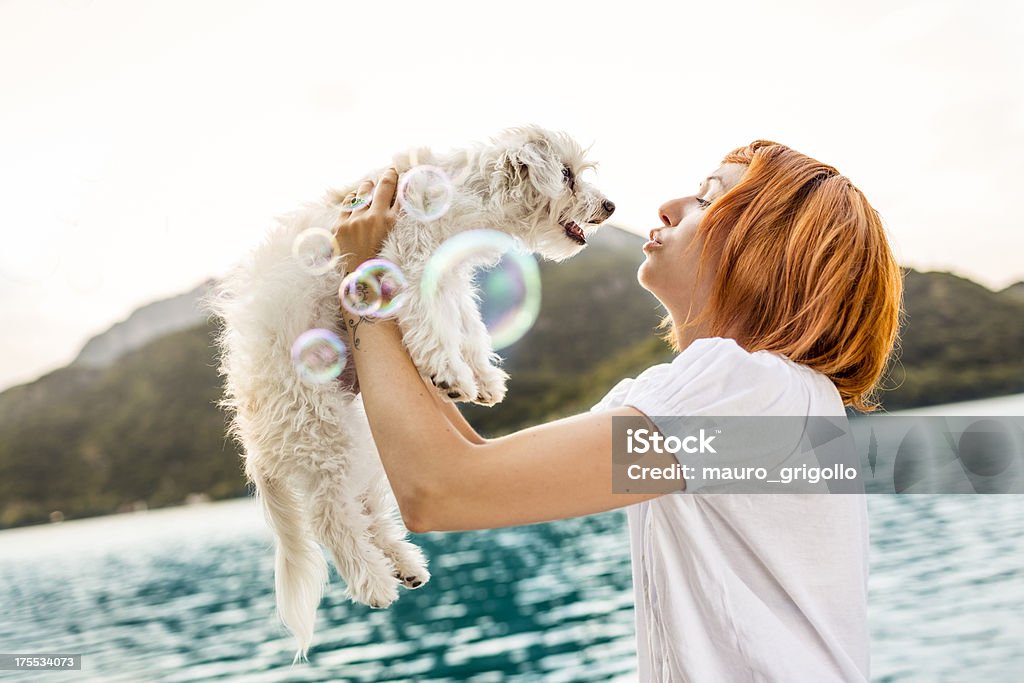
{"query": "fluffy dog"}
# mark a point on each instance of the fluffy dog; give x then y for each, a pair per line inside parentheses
(308, 450)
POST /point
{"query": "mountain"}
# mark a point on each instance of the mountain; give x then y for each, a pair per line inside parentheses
(1016, 291)
(959, 341)
(90, 441)
(143, 429)
(143, 326)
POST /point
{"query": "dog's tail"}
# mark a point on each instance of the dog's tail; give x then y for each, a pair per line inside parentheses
(300, 570)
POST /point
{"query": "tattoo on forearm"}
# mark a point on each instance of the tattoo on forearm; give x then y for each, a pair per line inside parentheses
(353, 322)
(350, 321)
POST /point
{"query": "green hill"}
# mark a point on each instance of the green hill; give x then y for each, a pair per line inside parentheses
(90, 441)
(960, 341)
(1016, 291)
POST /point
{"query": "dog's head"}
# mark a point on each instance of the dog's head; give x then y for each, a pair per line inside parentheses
(532, 179)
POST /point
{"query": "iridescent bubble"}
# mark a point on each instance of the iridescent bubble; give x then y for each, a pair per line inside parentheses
(505, 275)
(360, 294)
(385, 281)
(425, 192)
(319, 355)
(316, 250)
(510, 300)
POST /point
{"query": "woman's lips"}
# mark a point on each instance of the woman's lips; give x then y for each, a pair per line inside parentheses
(653, 242)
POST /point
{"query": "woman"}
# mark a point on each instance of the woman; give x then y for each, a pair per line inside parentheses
(783, 298)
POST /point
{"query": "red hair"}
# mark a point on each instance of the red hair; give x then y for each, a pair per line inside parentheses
(805, 270)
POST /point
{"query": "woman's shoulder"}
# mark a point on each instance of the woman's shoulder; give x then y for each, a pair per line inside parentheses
(716, 376)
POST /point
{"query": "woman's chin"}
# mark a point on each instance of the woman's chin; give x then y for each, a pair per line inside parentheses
(659, 289)
(643, 276)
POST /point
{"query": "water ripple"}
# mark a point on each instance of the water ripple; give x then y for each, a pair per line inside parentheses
(186, 594)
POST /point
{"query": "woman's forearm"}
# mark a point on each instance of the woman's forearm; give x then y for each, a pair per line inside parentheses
(451, 411)
(444, 482)
(418, 444)
(456, 418)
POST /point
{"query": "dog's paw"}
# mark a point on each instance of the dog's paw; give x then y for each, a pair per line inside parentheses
(374, 590)
(410, 565)
(414, 579)
(490, 386)
(455, 381)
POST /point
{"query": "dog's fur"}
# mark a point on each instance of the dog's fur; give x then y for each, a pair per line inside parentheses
(308, 450)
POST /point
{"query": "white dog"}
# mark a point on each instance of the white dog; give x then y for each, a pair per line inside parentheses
(308, 449)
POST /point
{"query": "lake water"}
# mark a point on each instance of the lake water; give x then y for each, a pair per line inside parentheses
(186, 594)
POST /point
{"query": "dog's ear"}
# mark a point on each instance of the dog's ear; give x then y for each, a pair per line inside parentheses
(528, 166)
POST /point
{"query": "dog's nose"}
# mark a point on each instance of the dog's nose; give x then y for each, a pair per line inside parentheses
(607, 207)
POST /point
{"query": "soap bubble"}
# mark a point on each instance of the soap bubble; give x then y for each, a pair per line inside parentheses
(319, 355)
(507, 279)
(316, 250)
(383, 290)
(510, 298)
(360, 294)
(425, 192)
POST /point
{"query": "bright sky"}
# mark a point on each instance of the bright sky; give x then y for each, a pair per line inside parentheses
(144, 145)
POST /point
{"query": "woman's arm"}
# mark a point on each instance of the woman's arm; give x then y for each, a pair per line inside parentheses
(455, 416)
(443, 478)
(444, 482)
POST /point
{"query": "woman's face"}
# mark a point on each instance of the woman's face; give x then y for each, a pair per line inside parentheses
(670, 270)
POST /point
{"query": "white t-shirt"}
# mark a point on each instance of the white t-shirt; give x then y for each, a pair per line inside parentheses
(745, 587)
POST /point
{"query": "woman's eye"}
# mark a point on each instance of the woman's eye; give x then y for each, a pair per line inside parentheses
(703, 203)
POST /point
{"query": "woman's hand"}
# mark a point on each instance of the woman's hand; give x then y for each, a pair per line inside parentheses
(361, 232)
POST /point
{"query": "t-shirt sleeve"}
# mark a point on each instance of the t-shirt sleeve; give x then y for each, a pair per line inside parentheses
(613, 399)
(618, 393)
(715, 376)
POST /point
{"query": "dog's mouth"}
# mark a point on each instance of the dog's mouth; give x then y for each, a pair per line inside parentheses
(574, 232)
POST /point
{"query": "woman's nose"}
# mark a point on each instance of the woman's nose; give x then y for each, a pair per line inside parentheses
(671, 212)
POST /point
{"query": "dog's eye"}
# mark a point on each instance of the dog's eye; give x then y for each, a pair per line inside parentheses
(568, 177)
(703, 203)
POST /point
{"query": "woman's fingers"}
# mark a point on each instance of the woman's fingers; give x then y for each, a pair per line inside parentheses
(385, 194)
(361, 232)
(363, 195)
